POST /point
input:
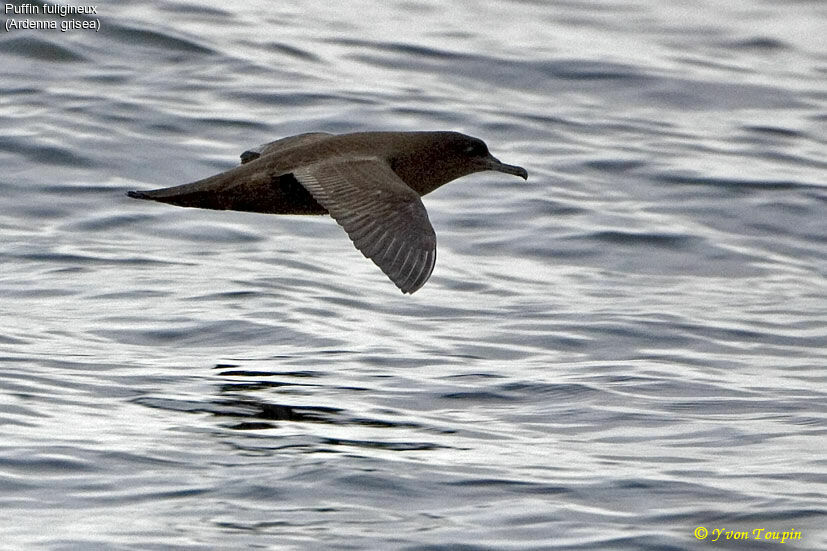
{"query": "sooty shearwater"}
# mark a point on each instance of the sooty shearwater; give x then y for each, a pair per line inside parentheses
(369, 182)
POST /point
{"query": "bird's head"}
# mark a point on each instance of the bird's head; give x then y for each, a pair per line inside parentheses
(445, 156)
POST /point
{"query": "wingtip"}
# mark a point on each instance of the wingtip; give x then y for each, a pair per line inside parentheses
(137, 195)
(249, 155)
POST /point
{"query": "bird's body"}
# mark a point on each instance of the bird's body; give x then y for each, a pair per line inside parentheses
(370, 182)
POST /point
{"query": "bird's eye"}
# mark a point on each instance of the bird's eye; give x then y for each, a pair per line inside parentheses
(474, 149)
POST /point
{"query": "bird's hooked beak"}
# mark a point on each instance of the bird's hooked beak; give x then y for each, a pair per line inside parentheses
(492, 163)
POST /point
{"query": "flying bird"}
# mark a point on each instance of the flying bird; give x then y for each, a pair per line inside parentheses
(369, 182)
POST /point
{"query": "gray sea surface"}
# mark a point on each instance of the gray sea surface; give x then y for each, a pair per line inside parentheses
(626, 348)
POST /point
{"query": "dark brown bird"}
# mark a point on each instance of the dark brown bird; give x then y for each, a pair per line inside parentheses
(369, 182)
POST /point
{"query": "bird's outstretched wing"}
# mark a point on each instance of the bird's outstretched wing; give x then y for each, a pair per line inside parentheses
(282, 145)
(384, 218)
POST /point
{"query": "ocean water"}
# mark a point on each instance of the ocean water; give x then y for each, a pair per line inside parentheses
(618, 354)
